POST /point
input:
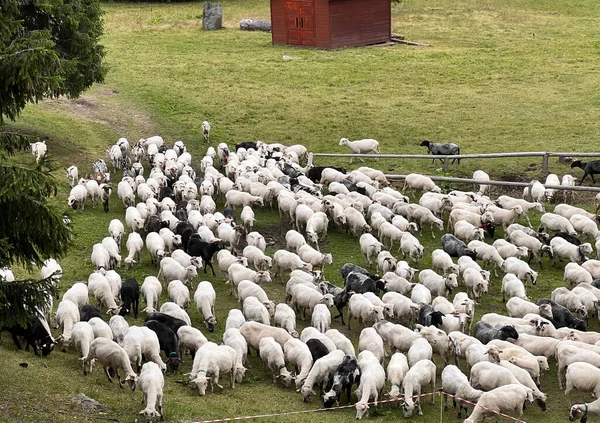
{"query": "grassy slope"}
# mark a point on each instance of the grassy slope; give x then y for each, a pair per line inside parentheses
(488, 83)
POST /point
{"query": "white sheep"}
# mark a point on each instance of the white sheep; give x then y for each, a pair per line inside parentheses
(235, 319)
(314, 257)
(442, 260)
(585, 226)
(285, 260)
(364, 146)
(321, 318)
(285, 318)
(364, 310)
(210, 361)
(567, 211)
(507, 202)
(322, 370)
(113, 251)
(356, 222)
(371, 382)
(576, 274)
(298, 355)
(241, 199)
(418, 376)
(171, 270)
(507, 399)
(455, 382)
(204, 297)
(151, 290)
(438, 285)
(134, 244)
(305, 298)
(179, 293)
(248, 288)
(256, 239)
(513, 287)
(82, 336)
(411, 247)
(119, 327)
(574, 253)
(341, 342)
(506, 249)
(271, 354)
(237, 272)
(468, 232)
(505, 217)
(520, 269)
(583, 377)
(556, 223)
(111, 355)
(77, 294)
(257, 259)
(487, 254)
(176, 311)
(518, 307)
(151, 383)
(67, 315)
(142, 341)
(395, 283)
(415, 181)
(420, 294)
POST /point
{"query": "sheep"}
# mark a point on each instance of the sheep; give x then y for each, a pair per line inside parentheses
(431, 201)
(210, 361)
(171, 270)
(442, 149)
(179, 293)
(466, 232)
(206, 130)
(119, 328)
(520, 269)
(475, 219)
(396, 371)
(364, 146)
(321, 318)
(505, 217)
(519, 307)
(421, 374)
(116, 230)
(583, 377)
(257, 240)
(442, 260)
(566, 298)
(341, 342)
(142, 341)
(241, 199)
(370, 340)
(114, 357)
(485, 332)
(156, 247)
(39, 149)
(237, 272)
(285, 260)
(535, 247)
(298, 355)
(506, 249)
(235, 319)
(346, 375)
(562, 317)
(247, 217)
(294, 240)
(567, 354)
(304, 298)
(67, 315)
(395, 283)
(151, 290)
(556, 223)
(456, 383)
(404, 308)
(363, 309)
(590, 168)
(204, 297)
(576, 274)
(371, 382)
(454, 247)
(126, 194)
(255, 310)
(507, 399)
(424, 217)
(113, 251)
(82, 336)
(133, 219)
(438, 285)
(355, 222)
(463, 304)
(271, 354)
(420, 294)
(151, 383)
(233, 338)
(172, 309)
(480, 175)
(415, 181)
(248, 288)
(320, 373)
(315, 258)
(564, 249)
(585, 226)
(411, 246)
(285, 318)
(186, 260)
(256, 258)
(134, 244)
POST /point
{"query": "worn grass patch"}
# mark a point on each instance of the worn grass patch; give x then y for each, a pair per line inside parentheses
(500, 76)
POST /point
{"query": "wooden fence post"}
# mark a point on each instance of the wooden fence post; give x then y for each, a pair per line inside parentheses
(545, 164)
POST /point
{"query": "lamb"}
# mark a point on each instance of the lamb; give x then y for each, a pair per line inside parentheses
(204, 297)
(171, 270)
(421, 374)
(535, 247)
(285, 318)
(576, 274)
(569, 300)
(506, 399)
(114, 357)
(415, 181)
(520, 269)
(564, 249)
(364, 146)
(455, 382)
(151, 290)
(271, 354)
(371, 382)
(506, 249)
(443, 149)
(285, 260)
(320, 373)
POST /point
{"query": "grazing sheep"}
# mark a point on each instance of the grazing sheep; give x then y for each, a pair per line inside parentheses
(114, 357)
(506, 399)
(442, 149)
(415, 181)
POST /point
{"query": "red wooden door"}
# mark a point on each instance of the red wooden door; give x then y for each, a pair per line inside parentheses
(300, 22)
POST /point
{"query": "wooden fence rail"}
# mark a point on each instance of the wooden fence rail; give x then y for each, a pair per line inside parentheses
(446, 159)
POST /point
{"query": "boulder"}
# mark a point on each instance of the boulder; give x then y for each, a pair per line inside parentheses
(212, 18)
(255, 25)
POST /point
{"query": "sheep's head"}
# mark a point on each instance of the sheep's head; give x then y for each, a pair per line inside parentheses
(578, 411)
(362, 409)
(210, 323)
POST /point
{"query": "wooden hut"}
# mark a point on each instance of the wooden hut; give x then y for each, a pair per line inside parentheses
(331, 23)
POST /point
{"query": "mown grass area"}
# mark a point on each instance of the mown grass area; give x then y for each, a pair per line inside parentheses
(500, 76)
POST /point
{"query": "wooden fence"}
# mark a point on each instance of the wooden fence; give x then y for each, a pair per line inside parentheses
(447, 159)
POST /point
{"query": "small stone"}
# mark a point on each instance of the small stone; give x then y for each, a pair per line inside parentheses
(287, 58)
(90, 405)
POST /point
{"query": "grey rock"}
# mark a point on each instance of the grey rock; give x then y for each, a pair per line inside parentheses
(255, 25)
(212, 18)
(90, 405)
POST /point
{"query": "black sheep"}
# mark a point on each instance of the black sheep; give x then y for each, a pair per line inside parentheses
(349, 268)
(485, 332)
(441, 149)
(589, 168)
(186, 230)
(130, 297)
(152, 224)
(358, 283)
(428, 316)
(229, 213)
(35, 334)
(317, 348)
(568, 237)
(346, 375)
(166, 319)
(245, 145)
(87, 311)
(455, 247)
(168, 342)
(562, 316)
(205, 250)
(164, 193)
(340, 297)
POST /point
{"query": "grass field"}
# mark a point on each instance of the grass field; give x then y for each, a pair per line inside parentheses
(500, 76)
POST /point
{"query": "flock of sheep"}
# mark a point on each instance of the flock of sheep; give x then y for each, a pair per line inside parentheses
(172, 212)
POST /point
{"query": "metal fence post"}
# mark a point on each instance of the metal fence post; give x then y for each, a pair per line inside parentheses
(309, 161)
